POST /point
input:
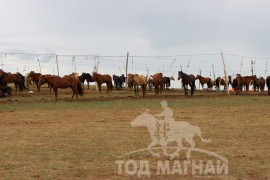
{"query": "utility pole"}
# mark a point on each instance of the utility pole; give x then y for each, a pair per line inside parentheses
(127, 69)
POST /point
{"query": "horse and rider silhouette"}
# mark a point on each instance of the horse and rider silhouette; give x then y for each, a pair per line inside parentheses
(164, 129)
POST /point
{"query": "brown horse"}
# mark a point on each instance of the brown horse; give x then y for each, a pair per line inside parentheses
(100, 79)
(244, 81)
(35, 78)
(158, 83)
(205, 80)
(268, 84)
(63, 83)
(259, 84)
(222, 81)
(42, 81)
(136, 81)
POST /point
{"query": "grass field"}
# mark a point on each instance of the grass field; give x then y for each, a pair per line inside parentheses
(44, 139)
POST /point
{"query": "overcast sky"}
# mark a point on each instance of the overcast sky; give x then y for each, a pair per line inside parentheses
(140, 27)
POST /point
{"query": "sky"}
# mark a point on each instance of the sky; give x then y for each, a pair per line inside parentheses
(160, 36)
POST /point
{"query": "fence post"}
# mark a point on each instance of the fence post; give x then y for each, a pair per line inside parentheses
(56, 58)
(225, 73)
(127, 70)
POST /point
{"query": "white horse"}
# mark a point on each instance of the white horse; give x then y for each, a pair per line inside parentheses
(163, 132)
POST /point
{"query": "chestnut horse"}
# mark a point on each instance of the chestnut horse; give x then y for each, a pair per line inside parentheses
(187, 80)
(136, 81)
(268, 84)
(244, 81)
(158, 83)
(35, 78)
(222, 81)
(100, 79)
(63, 83)
(42, 81)
(205, 80)
(259, 84)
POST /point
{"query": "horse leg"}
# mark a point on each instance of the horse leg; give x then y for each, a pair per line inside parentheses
(99, 87)
(55, 93)
(192, 145)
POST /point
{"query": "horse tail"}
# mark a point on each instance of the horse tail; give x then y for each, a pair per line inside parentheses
(112, 86)
(79, 88)
(198, 132)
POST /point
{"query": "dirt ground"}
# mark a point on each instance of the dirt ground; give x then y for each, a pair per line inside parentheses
(44, 139)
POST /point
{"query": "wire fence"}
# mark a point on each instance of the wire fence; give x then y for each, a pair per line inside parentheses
(208, 65)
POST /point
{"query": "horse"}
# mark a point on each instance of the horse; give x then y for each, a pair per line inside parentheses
(87, 77)
(63, 83)
(35, 78)
(163, 132)
(187, 80)
(268, 84)
(118, 81)
(42, 81)
(205, 80)
(167, 82)
(5, 90)
(12, 78)
(100, 79)
(137, 80)
(244, 81)
(259, 84)
(150, 83)
(158, 83)
(222, 81)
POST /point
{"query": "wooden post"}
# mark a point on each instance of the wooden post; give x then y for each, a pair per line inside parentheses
(199, 82)
(213, 71)
(39, 66)
(225, 73)
(127, 70)
(56, 58)
(74, 63)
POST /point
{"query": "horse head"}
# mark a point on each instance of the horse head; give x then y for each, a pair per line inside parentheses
(144, 119)
(198, 76)
(180, 75)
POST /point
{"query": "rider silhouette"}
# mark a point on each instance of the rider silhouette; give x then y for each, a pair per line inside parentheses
(164, 120)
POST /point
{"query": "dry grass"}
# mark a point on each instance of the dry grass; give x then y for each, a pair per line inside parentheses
(44, 139)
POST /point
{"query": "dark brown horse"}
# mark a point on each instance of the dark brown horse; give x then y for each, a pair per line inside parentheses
(205, 80)
(86, 77)
(268, 84)
(100, 79)
(222, 82)
(63, 83)
(158, 83)
(244, 81)
(167, 82)
(136, 81)
(7, 78)
(259, 84)
(35, 78)
(187, 80)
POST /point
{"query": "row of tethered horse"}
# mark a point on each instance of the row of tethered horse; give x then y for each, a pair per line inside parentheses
(158, 81)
